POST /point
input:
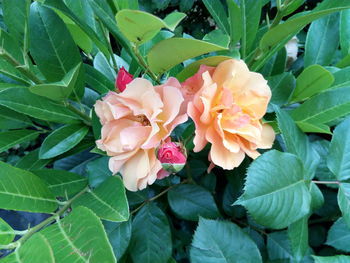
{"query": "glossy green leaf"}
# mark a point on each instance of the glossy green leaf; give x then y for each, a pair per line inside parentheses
(119, 235)
(191, 201)
(313, 80)
(339, 236)
(97, 81)
(191, 69)
(313, 127)
(235, 20)
(11, 46)
(102, 65)
(282, 87)
(278, 246)
(297, 142)
(292, 6)
(9, 139)
(217, 11)
(298, 234)
(97, 171)
(7, 234)
(222, 241)
(272, 203)
(23, 191)
(31, 161)
(10, 119)
(170, 52)
(151, 237)
(23, 101)
(51, 44)
(344, 201)
(332, 259)
(107, 201)
(62, 183)
(344, 30)
(76, 237)
(173, 19)
(58, 90)
(317, 199)
(276, 64)
(62, 140)
(338, 160)
(322, 40)
(341, 78)
(217, 37)
(324, 107)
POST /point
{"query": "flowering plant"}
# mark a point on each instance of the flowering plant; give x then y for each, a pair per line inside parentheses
(217, 133)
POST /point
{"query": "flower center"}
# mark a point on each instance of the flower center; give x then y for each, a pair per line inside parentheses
(143, 120)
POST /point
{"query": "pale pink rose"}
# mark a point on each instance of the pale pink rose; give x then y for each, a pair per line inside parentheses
(227, 111)
(135, 121)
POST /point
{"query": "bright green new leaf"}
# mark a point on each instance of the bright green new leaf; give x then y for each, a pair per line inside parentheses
(339, 236)
(314, 79)
(292, 6)
(79, 237)
(23, 191)
(151, 236)
(344, 201)
(276, 203)
(62, 140)
(173, 19)
(191, 201)
(6, 233)
(217, 11)
(107, 201)
(58, 90)
(313, 127)
(191, 69)
(170, 52)
(338, 160)
(9, 139)
(62, 183)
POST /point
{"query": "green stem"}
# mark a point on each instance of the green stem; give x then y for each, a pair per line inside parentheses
(143, 64)
(86, 118)
(325, 182)
(278, 18)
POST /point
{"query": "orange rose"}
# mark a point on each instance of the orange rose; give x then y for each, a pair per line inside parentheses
(135, 121)
(227, 110)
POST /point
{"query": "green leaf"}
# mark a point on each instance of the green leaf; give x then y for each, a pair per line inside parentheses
(173, 19)
(23, 101)
(221, 241)
(51, 44)
(58, 90)
(79, 237)
(31, 161)
(314, 79)
(9, 139)
(317, 199)
(276, 204)
(235, 20)
(191, 69)
(298, 234)
(344, 201)
(62, 183)
(151, 237)
(13, 120)
(322, 40)
(170, 52)
(107, 201)
(338, 160)
(191, 201)
(217, 11)
(278, 246)
(97, 81)
(281, 87)
(324, 107)
(292, 6)
(23, 191)
(339, 236)
(344, 30)
(11, 46)
(7, 234)
(97, 171)
(276, 65)
(62, 140)
(297, 142)
(332, 259)
(313, 127)
(119, 235)
(217, 37)
(341, 78)
(102, 65)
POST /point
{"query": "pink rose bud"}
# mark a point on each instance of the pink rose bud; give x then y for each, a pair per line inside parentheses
(123, 78)
(172, 156)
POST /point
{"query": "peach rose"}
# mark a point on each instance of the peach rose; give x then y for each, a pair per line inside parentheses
(227, 110)
(135, 121)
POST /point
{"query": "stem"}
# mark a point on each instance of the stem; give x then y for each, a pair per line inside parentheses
(143, 63)
(86, 118)
(325, 182)
(278, 18)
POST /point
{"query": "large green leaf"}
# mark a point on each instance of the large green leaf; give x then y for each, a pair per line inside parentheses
(62, 183)
(191, 201)
(23, 191)
(344, 31)
(108, 200)
(298, 234)
(151, 237)
(217, 11)
(324, 107)
(80, 238)
(220, 241)
(278, 246)
(58, 90)
(31, 161)
(23, 101)
(235, 20)
(9, 139)
(311, 81)
(297, 142)
(282, 86)
(6, 233)
(344, 201)
(98, 171)
(339, 236)
(97, 81)
(276, 203)
(170, 52)
(322, 40)
(332, 259)
(338, 160)
(62, 140)
(341, 78)
(102, 65)
(10, 119)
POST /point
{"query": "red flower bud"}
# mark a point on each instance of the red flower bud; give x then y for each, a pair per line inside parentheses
(123, 78)
(172, 156)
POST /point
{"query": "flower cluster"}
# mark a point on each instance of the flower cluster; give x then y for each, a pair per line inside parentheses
(226, 103)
